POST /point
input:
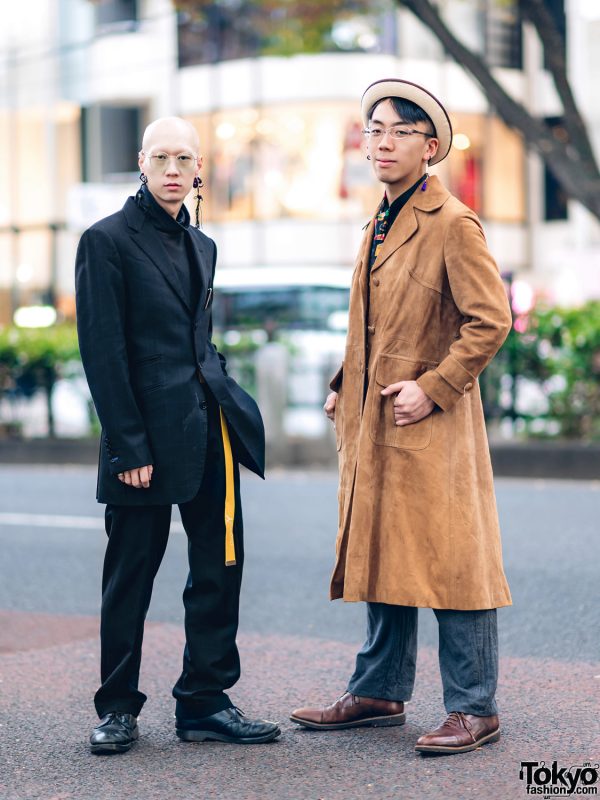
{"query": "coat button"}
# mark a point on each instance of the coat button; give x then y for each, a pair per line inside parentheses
(468, 387)
(376, 281)
(371, 329)
(203, 405)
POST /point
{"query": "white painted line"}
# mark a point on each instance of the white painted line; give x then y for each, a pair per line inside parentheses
(62, 521)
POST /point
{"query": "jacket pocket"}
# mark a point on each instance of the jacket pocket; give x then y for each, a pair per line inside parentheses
(383, 429)
(148, 374)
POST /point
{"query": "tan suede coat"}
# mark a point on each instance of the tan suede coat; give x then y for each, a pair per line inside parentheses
(418, 524)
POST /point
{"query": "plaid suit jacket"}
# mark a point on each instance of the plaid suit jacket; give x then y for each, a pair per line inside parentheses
(142, 347)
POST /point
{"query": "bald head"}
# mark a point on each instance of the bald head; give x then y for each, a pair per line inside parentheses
(169, 161)
(171, 132)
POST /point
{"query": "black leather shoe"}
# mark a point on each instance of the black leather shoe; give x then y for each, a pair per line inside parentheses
(116, 733)
(229, 725)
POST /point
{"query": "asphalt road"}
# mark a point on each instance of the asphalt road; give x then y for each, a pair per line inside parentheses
(296, 646)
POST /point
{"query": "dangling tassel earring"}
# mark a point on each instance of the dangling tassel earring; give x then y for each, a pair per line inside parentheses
(424, 184)
(140, 194)
(197, 186)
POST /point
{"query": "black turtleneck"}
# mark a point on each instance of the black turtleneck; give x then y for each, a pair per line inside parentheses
(176, 239)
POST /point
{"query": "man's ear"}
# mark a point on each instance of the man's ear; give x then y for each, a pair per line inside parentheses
(432, 147)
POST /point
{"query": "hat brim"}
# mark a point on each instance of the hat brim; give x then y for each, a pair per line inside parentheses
(394, 87)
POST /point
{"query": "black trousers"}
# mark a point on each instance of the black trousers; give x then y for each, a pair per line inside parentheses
(137, 538)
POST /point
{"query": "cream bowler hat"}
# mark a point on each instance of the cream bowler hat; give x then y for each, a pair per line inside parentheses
(395, 87)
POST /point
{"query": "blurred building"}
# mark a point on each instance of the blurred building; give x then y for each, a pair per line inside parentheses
(286, 179)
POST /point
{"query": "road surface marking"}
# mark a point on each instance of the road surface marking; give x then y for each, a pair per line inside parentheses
(62, 521)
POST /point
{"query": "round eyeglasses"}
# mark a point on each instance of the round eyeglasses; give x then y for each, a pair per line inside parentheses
(185, 162)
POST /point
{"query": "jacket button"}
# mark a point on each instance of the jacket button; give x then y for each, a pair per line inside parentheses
(376, 281)
(468, 387)
(203, 405)
(371, 328)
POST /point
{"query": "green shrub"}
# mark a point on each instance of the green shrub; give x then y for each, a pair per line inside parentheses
(559, 351)
(564, 343)
(35, 358)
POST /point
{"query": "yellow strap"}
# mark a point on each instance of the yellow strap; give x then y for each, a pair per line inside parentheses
(229, 494)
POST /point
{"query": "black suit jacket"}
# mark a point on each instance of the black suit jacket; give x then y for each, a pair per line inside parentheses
(142, 347)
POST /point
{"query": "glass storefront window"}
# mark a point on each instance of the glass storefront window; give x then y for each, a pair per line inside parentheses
(462, 171)
(44, 147)
(485, 168)
(504, 185)
(308, 161)
(33, 271)
(297, 160)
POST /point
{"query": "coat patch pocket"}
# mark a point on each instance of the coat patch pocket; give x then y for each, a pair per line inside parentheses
(383, 429)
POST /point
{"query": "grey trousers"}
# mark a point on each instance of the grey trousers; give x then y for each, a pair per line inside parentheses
(468, 656)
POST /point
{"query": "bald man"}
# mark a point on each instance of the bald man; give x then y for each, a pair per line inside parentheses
(175, 428)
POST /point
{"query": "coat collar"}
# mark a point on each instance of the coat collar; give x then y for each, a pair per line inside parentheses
(407, 221)
(147, 239)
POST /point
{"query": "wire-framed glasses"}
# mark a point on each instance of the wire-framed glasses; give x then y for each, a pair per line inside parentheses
(185, 162)
(396, 132)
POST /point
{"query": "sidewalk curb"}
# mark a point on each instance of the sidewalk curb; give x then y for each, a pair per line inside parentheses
(532, 459)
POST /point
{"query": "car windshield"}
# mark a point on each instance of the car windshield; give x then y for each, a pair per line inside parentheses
(294, 307)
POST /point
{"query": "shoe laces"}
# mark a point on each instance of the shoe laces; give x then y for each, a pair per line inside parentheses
(117, 716)
(457, 717)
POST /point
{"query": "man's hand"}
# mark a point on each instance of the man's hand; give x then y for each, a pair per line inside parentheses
(139, 478)
(411, 404)
(329, 407)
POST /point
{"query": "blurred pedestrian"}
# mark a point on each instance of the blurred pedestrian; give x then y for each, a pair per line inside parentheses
(418, 525)
(174, 427)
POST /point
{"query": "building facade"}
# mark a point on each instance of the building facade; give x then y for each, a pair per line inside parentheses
(287, 182)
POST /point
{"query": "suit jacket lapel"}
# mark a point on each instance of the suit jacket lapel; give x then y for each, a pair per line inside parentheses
(148, 240)
(201, 263)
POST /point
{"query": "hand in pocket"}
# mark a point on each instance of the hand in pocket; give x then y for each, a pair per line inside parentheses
(411, 403)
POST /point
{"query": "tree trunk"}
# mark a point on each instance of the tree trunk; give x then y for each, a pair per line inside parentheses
(536, 12)
(572, 162)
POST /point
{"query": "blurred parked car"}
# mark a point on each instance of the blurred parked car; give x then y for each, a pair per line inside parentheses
(304, 309)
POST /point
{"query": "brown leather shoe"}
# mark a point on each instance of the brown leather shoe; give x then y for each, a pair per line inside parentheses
(351, 711)
(459, 734)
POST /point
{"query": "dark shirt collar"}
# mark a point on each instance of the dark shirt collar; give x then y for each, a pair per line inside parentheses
(386, 216)
(399, 202)
(161, 220)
